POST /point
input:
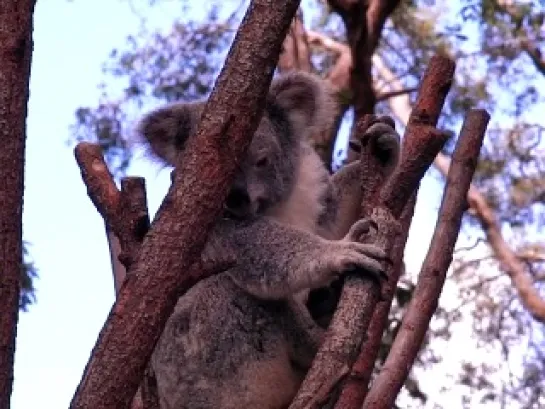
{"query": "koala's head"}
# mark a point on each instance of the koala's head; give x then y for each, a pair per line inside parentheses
(297, 105)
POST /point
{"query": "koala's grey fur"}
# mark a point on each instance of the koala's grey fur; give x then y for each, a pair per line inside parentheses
(244, 338)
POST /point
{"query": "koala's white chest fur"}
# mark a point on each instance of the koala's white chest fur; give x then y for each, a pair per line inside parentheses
(304, 205)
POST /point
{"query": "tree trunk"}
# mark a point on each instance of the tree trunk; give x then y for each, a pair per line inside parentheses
(15, 55)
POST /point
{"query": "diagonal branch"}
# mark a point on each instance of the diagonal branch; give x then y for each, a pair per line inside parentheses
(377, 13)
(163, 270)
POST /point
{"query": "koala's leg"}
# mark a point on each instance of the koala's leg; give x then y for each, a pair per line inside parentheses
(275, 261)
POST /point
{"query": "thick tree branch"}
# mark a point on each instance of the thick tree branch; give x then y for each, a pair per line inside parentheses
(399, 196)
(356, 384)
(510, 264)
(15, 56)
(408, 341)
(205, 171)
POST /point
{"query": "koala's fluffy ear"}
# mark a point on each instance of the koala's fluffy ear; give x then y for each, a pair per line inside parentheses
(166, 129)
(306, 99)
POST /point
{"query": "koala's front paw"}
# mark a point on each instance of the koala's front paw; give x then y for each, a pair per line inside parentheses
(350, 255)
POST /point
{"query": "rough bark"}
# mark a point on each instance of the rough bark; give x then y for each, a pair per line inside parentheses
(422, 306)
(163, 270)
(15, 56)
(357, 381)
(125, 215)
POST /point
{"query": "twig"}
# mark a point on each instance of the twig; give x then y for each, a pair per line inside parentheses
(165, 267)
(415, 323)
(392, 94)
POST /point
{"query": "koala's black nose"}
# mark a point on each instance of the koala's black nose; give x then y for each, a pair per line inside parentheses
(238, 202)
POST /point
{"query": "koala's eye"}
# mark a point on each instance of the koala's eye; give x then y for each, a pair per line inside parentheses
(262, 162)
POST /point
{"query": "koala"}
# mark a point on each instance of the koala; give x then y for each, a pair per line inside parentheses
(244, 338)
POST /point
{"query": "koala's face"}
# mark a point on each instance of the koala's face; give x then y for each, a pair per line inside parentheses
(266, 176)
(296, 104)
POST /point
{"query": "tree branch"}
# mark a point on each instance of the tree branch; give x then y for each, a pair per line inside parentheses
(377, 13)
(125, 216)
(535, 55)
(163, 270)
(408, 341)
(510, 264)
(356, 385)
(16, 53)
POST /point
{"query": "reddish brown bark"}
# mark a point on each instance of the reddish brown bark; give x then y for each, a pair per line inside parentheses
(125, 215)
(408, 341)
(15, 56)
(205, 171)
(356, 385)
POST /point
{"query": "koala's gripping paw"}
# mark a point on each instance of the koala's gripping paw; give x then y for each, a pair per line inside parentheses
(348, 255)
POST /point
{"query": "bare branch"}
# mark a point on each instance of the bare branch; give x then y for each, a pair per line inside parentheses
(16, 52)
(535, 55)
(377, 13)
(125, 212)
(165, 266)
(392, 94)
(408, 341)
(339, 75)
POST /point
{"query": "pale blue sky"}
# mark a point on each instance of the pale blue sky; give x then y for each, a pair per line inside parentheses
(75, 290)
